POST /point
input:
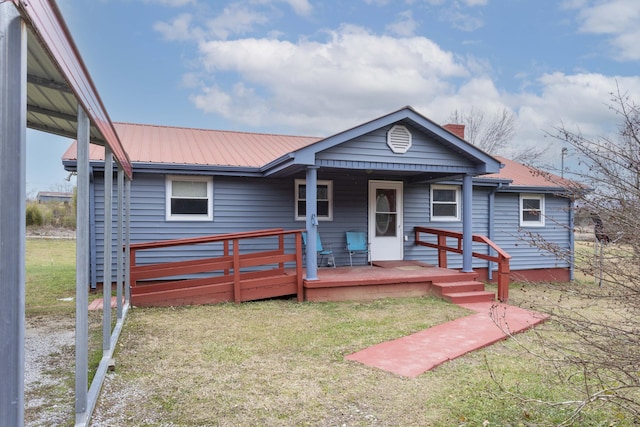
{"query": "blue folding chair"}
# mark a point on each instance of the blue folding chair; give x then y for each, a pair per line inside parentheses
(322, 252)
(357, 245)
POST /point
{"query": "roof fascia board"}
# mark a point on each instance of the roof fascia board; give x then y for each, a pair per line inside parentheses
(538, 189)
(45, 19)
(165, 168)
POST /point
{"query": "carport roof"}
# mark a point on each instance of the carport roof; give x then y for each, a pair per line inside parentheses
(58, 81)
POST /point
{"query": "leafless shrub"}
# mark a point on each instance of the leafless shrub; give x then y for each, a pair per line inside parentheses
(597, 346)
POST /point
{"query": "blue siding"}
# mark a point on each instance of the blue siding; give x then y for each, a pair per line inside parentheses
(244, 204)
(516, 240)
(372, 147)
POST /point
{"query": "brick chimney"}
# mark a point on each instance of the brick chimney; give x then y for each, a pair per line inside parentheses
(457, 130)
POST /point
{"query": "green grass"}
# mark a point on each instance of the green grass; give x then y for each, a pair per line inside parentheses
(283, 363)
(50, 276)
(280, 362)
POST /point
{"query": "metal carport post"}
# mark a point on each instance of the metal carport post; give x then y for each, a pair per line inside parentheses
(13, 134)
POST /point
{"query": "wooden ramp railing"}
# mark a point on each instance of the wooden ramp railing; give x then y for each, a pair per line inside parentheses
(501, 258)
(232, 276)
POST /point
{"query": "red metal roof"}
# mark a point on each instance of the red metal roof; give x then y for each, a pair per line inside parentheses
(525, 176)
(186, 146)
(202, 147)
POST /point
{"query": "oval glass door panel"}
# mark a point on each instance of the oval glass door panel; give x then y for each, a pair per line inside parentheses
(386, 215)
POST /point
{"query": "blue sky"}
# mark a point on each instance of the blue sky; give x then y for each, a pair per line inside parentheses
(313, 68)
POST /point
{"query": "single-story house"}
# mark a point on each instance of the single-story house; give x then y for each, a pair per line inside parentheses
(384, 177)
(54, 196)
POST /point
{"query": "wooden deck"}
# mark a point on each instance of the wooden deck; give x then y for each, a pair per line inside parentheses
(241, 275)
(389, 279)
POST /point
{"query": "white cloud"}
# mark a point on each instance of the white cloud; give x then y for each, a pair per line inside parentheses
(300, 7)
(377, 2)
(462, 20)
(235, 19)
(616, 18)
(172, 3)
(178, 29)
(404, 25)
(349, 75)
(579, 102)
(321, 87)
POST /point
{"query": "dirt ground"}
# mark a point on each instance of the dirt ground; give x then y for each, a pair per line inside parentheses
(49, 371)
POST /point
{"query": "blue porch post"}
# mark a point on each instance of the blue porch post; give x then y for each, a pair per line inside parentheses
(467, 223)
(312, 222)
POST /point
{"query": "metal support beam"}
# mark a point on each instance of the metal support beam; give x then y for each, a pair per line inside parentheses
(107, 279)
(120, 255)
(50, 84)
(127, 238)
(467, 224)
(82, 267)
(312, 222)
(13, 134)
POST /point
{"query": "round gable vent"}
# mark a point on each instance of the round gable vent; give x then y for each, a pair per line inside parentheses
(399, 139)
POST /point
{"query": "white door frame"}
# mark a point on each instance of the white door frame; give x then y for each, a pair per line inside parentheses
(386, 244)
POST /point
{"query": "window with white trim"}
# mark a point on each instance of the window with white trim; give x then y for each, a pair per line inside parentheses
(324, 197)
(189, 198)
(532, 210)
(445, 203)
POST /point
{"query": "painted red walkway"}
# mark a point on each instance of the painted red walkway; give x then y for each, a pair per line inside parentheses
(97, 304)
(415, 354)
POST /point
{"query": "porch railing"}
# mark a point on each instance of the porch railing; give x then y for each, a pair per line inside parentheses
(501, 258)
(228, 268)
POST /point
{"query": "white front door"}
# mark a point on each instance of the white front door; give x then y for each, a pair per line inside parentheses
(385, 220)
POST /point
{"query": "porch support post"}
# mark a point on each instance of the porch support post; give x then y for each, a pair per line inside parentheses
(467, 223)
(312, 222)
(13, 125)
(82, 267)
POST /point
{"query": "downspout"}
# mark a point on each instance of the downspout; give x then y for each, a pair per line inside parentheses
(467, 224)
(491, 230)
(572, 241)
(312, 222)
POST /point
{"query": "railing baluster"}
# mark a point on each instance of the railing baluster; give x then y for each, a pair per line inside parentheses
(236, 271)
(442, 251)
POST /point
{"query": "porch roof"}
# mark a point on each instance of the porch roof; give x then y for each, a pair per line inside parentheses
(482, 162)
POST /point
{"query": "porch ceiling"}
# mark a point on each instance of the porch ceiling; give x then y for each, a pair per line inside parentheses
(58, 81)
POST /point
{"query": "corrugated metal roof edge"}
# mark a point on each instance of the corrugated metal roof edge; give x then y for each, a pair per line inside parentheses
(168, 168)
(217, 130)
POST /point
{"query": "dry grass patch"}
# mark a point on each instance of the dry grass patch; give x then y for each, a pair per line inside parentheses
(267, 363)
(275, 363)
